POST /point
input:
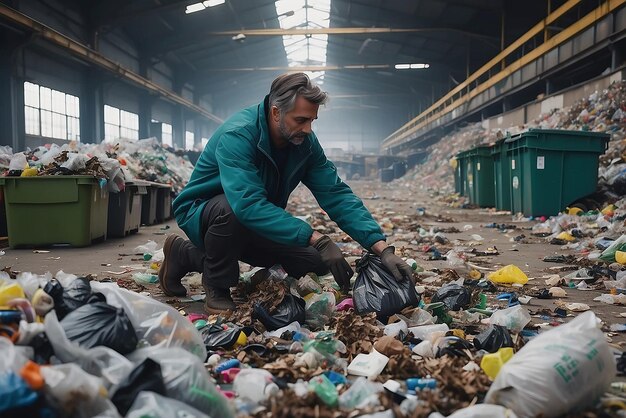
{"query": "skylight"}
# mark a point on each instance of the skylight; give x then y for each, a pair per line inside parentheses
(196, 7)
(305, 50)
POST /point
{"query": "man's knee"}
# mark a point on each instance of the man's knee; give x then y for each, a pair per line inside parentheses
(220, 215)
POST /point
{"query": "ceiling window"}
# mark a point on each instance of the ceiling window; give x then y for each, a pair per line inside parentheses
(51, 113)
(304, 50)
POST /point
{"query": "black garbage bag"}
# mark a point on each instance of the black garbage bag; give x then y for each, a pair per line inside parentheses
(215, 336)
(147, 376)
(98, 324)
(454, 296)
(291, 309)
(493, 338)
(69, 298)
(376, 290)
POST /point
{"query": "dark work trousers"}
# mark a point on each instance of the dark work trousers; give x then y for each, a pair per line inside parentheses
(227, 241)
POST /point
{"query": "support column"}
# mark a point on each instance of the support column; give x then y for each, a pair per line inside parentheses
(92, 108)
(178, 117)
(12, 124)
(617, 57)
(549, 87)
(145, 101)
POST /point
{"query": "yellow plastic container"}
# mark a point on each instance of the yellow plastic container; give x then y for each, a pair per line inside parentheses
(620, 257)
(10, 292)
(492, 363)
(510, 274)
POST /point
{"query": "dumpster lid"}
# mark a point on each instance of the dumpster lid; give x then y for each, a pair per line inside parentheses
(557, 132)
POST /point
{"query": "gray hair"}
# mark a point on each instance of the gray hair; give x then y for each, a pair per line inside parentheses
(287, 87)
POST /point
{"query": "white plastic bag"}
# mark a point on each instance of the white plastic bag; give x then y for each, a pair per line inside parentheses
(155, 322)
(153, 405)
(13, 358)
(186, 379)
(98, 361)
(559, 371)
(18, 162)
(480, 411)
(72, 387)
(514, 318)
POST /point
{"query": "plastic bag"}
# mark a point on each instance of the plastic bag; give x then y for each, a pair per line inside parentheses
(99, 361)
(145, 377)
(453, 296)
(291, 309)
(508, 275)
(100, 324)
(75, 161)
(154, 322)
(482, 411)
(514, 318)
(493, 338)
(18, 162)
(215, 336)
(186, 379)
(13, 358)
(149, 247)
(319, 309)
(150, 404)
(360, 394)
(376, 290)
(561, 370)
(71, 387)
(68, 298)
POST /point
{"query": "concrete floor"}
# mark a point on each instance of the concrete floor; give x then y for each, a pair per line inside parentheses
(115, 255)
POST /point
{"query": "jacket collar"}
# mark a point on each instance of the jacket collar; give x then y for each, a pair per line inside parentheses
(264, 143)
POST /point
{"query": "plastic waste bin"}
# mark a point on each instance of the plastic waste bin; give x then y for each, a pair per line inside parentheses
(125, 210)
(399, 169)
(481, 190)
(501, 175)
(3, 215)
(386, 175)
(48, 210)
(164, 202)
(460, 174)
(550, 169)
(149, 203)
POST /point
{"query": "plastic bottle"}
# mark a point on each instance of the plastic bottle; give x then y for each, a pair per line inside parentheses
(228, 364)
(492, 363)
(324, 389)
(414, 383)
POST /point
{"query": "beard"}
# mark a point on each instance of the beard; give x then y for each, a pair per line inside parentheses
(295, 138)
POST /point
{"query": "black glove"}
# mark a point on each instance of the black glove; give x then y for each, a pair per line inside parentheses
(396, 266)
(333, 259)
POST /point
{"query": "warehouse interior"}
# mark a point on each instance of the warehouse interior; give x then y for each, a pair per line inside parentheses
(485, 139)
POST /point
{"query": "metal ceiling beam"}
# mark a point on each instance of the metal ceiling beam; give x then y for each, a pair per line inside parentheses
(328, 31)
(94, 57)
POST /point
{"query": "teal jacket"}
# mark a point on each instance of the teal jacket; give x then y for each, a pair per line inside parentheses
(237, 162)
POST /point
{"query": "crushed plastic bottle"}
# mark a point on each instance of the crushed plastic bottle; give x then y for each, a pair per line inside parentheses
(324, 389)
(510, 274)
(492, 363)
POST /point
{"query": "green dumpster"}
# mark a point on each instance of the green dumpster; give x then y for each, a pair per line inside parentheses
(480, 176)
(550, 169)
(501, 175)
(460, 173)
(47, 210)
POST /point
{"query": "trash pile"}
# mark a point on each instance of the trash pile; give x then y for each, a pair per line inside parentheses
(74, 347)
(114, 163)
(603, 111)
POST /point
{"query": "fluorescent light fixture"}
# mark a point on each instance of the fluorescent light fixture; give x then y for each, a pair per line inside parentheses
(213, 3)
(411, 66)
(196, 7)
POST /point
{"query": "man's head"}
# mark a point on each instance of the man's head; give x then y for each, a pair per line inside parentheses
(294, 101)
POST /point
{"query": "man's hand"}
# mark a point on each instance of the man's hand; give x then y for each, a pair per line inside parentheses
(332, 257)
(398, 267)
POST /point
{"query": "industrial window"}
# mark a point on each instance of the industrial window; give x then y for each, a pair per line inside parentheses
(204, 142)
(166, 134)
(119, 123)
(189, 139)
(51, 113)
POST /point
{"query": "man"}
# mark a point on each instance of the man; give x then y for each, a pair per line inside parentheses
(233, 208)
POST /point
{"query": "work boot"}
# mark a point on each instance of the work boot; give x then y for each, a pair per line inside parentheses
(181, 257)
(218, 301)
